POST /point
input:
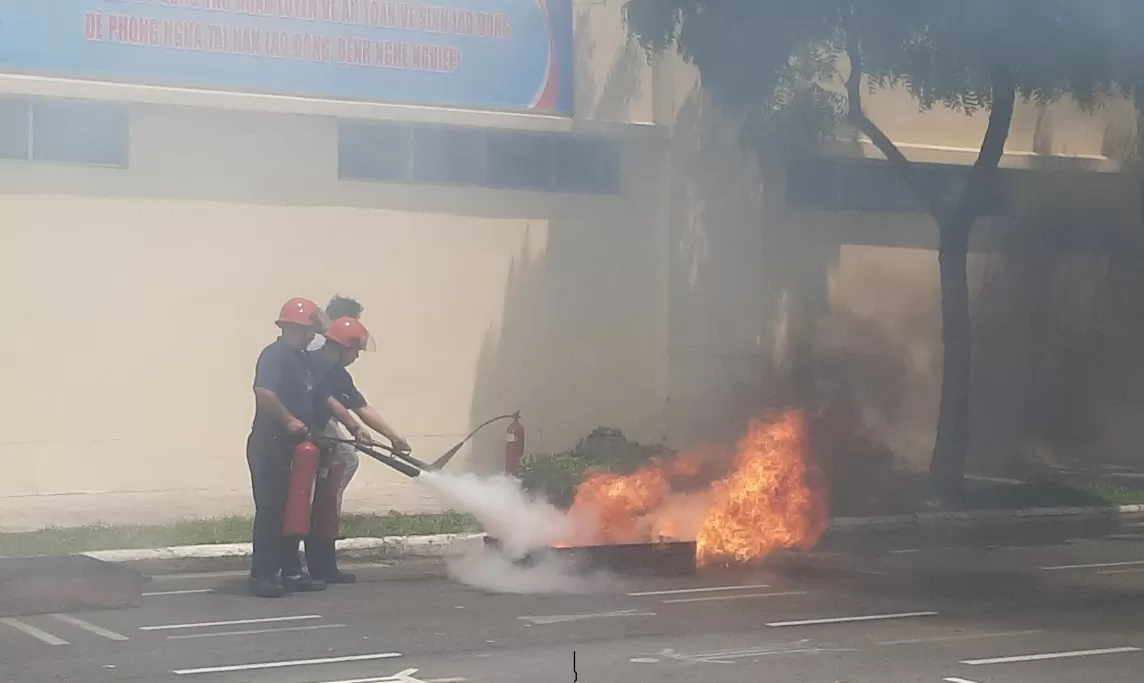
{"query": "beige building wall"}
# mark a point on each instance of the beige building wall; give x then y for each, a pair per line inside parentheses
(143, 295)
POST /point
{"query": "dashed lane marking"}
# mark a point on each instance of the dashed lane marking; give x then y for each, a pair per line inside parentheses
(254, 632)
(1051, 655)
(562, 618)
(234, 622)
(90, 627)
(30, 630)
(801, 647)
(186, 576)
(958, 680)
(680, 591)
(844, 620)
(965, 636)
(1097, 565)
(405, 676)
(743, 596)
(1109, 572)
(186, 592)
(285, 664)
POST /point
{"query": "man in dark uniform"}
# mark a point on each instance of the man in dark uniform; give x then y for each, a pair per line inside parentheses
(345, 339)
(285, 400)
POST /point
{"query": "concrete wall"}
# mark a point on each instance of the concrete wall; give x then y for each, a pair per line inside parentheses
(673, 313)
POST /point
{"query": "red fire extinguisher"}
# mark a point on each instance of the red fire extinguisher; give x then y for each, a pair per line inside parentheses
(327, 520)
(514, 446)
(303, 470)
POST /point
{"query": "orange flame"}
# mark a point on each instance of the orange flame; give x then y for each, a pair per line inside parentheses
(772, 498)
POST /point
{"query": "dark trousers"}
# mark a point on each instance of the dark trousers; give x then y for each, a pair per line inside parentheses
(269, 457)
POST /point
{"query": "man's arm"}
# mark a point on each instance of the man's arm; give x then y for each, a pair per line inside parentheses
(375, 421)
(346, 418)
(268, 379)
(269, 401)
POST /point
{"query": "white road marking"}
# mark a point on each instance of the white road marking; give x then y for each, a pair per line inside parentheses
(843, 620)
(285, 664)
(186, 592)
(405, 676)
(1106, 572)
(235, 622)
(904, 551)
(33, 631)
(967, 636)
(734, 597)
(726, 656)
(958, 680)
(244, 573)
(199, 575)
(643, 660)
(90, 627)
(562, 618)
(1097, 565)
(995, 480)
(679, 591)
(1051, 655)
(189, 636)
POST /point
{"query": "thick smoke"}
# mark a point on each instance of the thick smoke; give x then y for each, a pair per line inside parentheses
(526, 529)
(547, 572)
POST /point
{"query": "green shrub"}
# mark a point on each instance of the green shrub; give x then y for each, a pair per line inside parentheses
(556, 476)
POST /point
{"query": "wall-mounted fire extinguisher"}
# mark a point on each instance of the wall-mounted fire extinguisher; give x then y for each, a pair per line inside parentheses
(299, 499)
(514, 446)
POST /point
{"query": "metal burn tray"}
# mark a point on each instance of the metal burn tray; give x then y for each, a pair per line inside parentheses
(667, 558)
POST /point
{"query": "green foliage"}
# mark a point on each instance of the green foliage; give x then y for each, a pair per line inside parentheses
(761, 57)
(556, 476)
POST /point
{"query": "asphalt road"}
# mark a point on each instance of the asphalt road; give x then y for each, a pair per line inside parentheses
(1043, 612)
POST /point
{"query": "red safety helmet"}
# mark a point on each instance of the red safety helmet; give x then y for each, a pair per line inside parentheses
(300, 311)
(350, 333)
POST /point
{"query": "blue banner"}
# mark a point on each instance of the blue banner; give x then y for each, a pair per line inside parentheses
(471, 54)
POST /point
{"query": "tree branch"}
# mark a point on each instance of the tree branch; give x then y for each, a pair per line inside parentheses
(871, 130)
(992, 146)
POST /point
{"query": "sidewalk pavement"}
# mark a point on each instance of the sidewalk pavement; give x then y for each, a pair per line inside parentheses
(31, 513)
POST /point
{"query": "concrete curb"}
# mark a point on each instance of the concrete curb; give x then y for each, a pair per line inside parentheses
(236, 556)
(228, 556)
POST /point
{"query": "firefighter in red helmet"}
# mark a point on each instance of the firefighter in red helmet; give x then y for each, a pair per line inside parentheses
(285, 398)
(345, 339)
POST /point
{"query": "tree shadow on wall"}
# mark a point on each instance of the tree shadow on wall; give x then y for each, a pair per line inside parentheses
(578, 306)
(581, 343)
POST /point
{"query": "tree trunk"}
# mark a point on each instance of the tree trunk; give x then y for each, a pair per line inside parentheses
(951, 446)
(952, 443)
(947, 469)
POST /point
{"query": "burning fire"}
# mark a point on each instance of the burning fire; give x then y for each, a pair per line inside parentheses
(773, 497)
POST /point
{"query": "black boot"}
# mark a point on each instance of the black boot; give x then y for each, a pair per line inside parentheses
(302, 584)
(322, 560)
(266, 588)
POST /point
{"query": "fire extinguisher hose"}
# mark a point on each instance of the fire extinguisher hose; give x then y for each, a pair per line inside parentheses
(399, 456)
